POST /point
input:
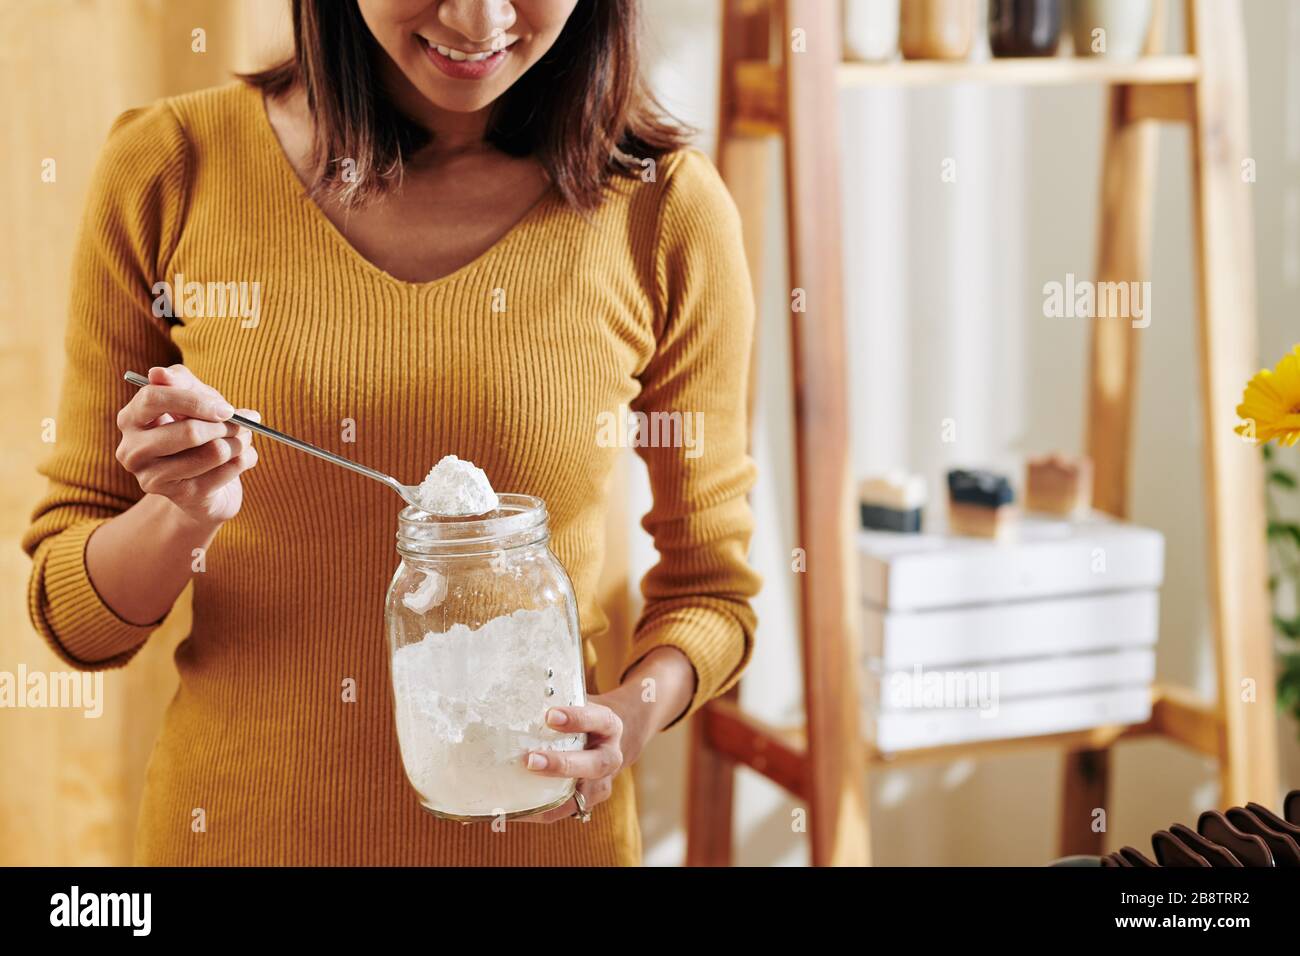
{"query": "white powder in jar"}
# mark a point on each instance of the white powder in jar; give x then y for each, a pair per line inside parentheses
(455, 487)
(471, 704)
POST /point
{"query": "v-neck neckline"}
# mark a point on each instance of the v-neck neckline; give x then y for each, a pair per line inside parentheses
(287, 172)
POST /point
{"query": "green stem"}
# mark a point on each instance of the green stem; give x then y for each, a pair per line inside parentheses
(1284, 553)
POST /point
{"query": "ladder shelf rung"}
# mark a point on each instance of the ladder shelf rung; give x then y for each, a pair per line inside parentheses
(1028, 71)
(757, 91)
(780, 754)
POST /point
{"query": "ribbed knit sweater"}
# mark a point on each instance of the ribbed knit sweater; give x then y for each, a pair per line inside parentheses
(646, 304)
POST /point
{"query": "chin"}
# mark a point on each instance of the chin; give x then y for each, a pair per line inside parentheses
(459, 101)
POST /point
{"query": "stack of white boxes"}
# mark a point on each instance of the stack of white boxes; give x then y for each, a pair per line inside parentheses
(968, 639)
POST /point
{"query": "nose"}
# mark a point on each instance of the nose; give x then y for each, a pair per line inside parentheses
(479, 21)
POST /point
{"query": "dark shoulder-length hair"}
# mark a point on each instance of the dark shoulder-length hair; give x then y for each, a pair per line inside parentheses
(583, 110)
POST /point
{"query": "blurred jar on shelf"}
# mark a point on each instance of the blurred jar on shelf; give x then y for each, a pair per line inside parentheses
(870, 30)
(1116, 29)
(1024, 27)
(937, 29)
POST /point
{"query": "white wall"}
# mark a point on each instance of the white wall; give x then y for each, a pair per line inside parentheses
(944, 317)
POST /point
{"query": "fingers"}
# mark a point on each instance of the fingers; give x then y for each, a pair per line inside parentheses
(593, 763)
(593, 792)
(205, 486)
(176, 428)
(593, 768)
(173, 391)
(597, 791)
(151, 401)
(179, 442)
(178, 376)
(137, 450)
(591, 719)
(603, 756)
(566, 809)
(195, 461)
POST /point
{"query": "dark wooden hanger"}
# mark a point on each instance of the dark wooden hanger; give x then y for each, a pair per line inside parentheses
(1246, 847)
(1291, 807)
(1286, 852)
(1171, 851)
(1271, 819)
(1135, 857)
(1216, 855)
(1115, 860)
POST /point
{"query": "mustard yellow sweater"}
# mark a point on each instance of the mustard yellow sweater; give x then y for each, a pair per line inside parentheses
(648, 305)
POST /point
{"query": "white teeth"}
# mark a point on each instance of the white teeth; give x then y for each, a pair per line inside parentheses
(459, 55)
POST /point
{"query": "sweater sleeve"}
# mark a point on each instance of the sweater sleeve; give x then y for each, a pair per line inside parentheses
(692, 409)
(128, 232)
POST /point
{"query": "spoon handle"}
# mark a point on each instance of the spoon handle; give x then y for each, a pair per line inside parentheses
(137, 379)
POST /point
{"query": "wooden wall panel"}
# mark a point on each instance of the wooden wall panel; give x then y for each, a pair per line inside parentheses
(70, 786)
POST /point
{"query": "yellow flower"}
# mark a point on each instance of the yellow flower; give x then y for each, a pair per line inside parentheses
(1270, 407)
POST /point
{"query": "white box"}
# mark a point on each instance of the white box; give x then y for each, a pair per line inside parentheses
(892, 690)
(1049, 558)
(1026, 629)
(894, 731)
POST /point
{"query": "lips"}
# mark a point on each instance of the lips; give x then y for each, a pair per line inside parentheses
(462, 65)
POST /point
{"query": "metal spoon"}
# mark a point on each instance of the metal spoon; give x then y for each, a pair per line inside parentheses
(408, 492)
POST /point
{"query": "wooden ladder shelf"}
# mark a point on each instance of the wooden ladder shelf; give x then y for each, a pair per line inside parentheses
(768, 91)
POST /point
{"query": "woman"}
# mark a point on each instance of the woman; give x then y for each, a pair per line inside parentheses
(451, 226)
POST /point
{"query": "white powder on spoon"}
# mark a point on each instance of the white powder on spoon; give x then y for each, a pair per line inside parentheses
(457, 488)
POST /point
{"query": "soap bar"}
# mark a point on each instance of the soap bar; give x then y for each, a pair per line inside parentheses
(887, 689)
(892, 502)
(980, 504)
(1058, 484)
(1051, 558)
(1020, 630)
(920, 727)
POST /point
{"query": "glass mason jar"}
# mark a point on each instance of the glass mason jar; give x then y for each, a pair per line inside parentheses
(1024, 27)
(483, 639)
(1111, 28)
(870, 30)
(937, 29)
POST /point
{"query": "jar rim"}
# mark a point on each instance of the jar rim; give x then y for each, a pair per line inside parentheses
(514, 515)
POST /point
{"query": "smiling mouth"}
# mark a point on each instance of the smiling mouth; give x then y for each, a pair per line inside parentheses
(464, 64)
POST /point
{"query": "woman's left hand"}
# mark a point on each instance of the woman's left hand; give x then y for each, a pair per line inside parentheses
(614, 741)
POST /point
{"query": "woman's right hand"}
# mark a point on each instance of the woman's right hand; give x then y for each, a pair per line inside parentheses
(178, 444)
